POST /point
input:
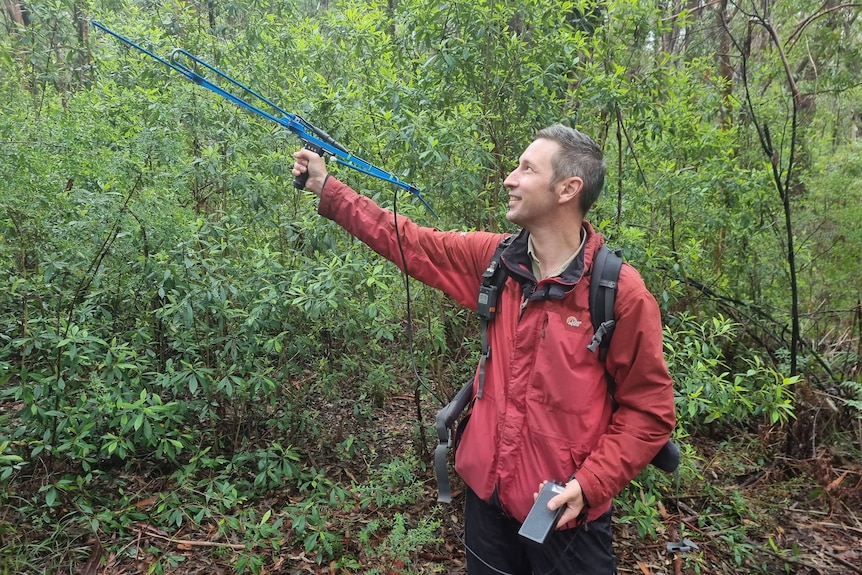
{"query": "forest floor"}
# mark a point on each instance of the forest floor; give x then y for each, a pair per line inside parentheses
(795, 517)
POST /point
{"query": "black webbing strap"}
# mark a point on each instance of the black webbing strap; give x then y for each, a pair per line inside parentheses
(603, 291)
(484, 354)
(445, 419)
(493, 279)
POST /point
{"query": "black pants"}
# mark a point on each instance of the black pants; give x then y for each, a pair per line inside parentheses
(494, 547)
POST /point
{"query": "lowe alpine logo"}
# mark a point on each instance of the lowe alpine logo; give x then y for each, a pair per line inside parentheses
(573, 321)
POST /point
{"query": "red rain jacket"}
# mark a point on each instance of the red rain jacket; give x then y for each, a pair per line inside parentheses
(546, 413)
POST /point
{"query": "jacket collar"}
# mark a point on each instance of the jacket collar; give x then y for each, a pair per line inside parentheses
(518, 265)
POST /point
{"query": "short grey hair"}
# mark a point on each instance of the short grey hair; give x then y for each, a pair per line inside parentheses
(579, 155)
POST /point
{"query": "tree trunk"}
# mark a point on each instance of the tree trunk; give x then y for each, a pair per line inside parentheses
(725, 70)
(83, 59)
(15, 12)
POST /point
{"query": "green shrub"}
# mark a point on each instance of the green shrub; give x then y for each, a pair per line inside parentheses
(699, 356)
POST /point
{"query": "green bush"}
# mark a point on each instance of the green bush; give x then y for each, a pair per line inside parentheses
(702, 357)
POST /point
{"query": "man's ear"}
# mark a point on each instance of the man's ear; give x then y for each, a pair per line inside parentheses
(571, 189)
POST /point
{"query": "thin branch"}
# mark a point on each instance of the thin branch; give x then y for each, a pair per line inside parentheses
(622, 124)
(148, 531)
(693, 10)
(773, 33)
(824, 11)
(91, 272)
(783, 187)
(744, 51)
(751, 312)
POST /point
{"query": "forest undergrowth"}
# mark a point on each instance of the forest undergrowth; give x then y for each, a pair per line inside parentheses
(367, 504)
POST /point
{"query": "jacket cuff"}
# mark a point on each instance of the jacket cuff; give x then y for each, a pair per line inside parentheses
(327, 196)
(590, 488)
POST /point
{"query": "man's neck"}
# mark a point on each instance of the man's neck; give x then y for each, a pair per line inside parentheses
(553, 246)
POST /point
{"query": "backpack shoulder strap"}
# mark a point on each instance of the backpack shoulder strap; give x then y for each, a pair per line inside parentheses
(604, 281)
(493, 280)
(492, 283)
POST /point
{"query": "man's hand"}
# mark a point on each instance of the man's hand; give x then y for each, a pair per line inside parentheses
(573, 499)
(309, 162)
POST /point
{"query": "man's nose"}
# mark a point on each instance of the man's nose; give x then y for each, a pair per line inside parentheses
(511, 181)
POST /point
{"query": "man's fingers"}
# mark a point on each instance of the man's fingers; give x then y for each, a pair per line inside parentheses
(308, 163)
(567, 516)
(301, 154)
(536, 493)
(557, 501)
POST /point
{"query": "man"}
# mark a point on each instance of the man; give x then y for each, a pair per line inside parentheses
(545, 412)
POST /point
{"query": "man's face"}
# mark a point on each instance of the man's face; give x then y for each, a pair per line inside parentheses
(531, 196)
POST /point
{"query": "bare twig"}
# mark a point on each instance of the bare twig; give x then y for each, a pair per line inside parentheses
(824, 11)
(150, 531)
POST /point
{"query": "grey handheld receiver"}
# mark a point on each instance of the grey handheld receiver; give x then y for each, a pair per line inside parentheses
(541, 521)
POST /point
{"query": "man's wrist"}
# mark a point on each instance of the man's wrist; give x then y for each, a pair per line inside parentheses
(323, 187)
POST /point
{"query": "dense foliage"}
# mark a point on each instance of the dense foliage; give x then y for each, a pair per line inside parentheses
(179, 327)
